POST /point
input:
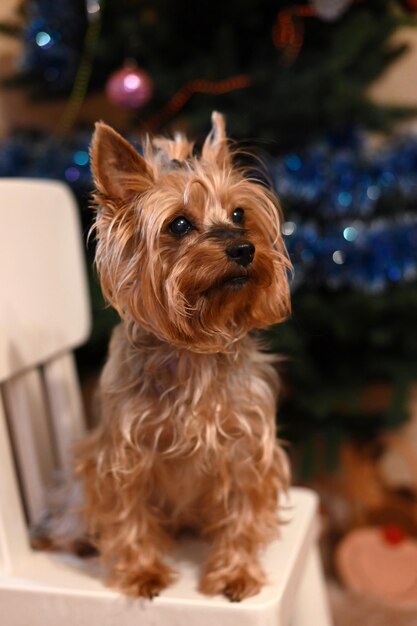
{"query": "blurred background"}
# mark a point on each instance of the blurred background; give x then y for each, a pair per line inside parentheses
(325, 91)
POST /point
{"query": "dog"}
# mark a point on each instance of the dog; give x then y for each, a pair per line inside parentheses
(190, 254)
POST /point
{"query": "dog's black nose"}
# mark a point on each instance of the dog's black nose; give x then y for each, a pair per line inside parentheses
(241, 252)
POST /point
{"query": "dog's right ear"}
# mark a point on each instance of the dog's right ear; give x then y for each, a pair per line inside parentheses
(119, 172)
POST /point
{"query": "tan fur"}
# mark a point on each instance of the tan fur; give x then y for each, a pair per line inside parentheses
(187, 399)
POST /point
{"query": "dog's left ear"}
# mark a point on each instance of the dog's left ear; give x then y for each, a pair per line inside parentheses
(119, 172)
(216, 145)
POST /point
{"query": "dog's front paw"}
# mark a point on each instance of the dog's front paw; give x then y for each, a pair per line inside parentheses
(241, 586)
(144, 583)
(236, 584)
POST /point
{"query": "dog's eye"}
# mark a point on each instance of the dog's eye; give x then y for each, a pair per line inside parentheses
(180, 226)
(238, 216)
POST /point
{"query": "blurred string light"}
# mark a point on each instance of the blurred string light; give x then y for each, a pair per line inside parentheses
(81, 157)
(338, 257)
(44, 39)
(350, 233)
(359, 245)
(93, 9)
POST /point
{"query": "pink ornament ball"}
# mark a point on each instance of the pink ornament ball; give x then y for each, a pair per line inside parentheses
(129, 87)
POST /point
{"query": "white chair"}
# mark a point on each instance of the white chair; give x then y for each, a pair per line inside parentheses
(44, 315)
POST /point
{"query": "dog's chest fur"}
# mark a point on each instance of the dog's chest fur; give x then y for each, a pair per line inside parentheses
(177, 403)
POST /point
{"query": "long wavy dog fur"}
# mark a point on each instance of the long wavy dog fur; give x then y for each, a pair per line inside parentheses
(190, 254)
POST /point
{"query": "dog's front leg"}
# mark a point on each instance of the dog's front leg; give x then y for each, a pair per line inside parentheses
(247, 521)
(233, 570)
(126, 529)
(133, 556)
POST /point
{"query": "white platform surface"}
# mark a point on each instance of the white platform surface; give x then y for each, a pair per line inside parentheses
(70, 589)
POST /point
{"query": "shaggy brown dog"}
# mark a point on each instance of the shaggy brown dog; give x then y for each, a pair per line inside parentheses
(190, 254)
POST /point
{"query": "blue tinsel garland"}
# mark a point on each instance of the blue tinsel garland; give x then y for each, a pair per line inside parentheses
(351, 212)
(343, 225)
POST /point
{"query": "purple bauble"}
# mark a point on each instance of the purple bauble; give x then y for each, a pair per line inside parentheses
(129, 87)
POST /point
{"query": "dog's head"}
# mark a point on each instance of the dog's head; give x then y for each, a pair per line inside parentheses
(188, 247)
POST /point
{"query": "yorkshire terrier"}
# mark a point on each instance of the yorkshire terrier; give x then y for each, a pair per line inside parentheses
(190, 254)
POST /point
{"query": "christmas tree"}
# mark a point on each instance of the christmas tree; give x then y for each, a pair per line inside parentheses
(292, 79)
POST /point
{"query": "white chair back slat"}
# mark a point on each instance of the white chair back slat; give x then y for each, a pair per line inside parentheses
(44, 315)
(27, 414)
(14, 544)
(44, 307)
(66, 408)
